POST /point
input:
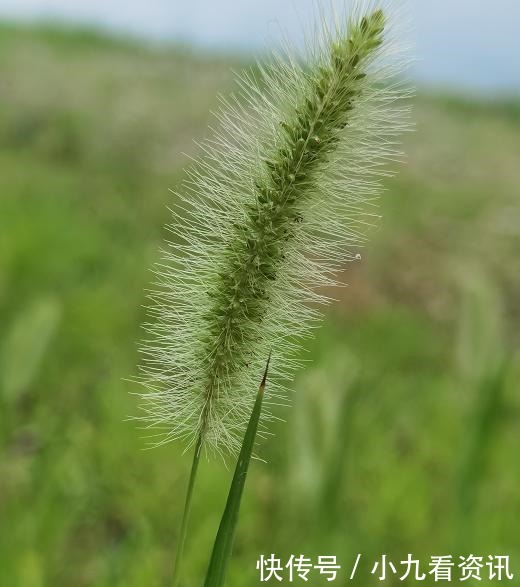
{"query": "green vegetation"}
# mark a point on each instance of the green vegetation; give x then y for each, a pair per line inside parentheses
(404, 433)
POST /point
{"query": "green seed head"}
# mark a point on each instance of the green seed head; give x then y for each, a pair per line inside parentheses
(269, 215)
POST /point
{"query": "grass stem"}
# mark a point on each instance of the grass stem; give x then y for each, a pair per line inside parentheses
(186, 513)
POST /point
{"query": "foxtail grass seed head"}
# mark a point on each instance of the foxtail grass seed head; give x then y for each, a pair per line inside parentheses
(271, 212)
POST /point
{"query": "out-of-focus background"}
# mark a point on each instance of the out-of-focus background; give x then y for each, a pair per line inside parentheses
(403, 437)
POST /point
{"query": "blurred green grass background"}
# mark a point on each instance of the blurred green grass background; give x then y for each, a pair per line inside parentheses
(403, 435)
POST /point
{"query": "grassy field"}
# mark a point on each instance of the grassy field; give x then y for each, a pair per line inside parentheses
(403, 435)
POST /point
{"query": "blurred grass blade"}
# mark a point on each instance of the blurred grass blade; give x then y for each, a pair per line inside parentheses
(25, 345)
(481, 430)
(224, 540)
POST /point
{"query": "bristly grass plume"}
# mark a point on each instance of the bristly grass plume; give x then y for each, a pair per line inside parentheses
(271, 212)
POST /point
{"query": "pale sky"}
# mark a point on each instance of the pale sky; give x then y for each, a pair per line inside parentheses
(471, 45)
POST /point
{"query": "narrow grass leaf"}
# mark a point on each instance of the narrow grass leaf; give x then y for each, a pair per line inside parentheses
(224, 540)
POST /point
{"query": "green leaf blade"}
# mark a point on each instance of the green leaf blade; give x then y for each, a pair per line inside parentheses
(224, 540)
